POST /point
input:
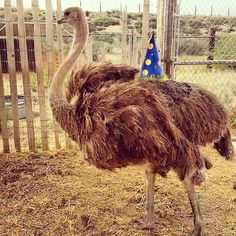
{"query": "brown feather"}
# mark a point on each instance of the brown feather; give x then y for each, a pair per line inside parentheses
(196, 112)
(119, 121)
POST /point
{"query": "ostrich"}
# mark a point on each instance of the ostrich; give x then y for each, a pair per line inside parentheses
(117, 121)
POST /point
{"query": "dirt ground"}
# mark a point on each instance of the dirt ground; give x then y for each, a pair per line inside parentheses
(60, 194)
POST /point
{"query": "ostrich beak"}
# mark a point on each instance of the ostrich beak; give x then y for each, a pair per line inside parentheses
(61, 21)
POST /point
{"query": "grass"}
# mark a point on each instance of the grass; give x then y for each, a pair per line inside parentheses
(220, 82)
(57, 193)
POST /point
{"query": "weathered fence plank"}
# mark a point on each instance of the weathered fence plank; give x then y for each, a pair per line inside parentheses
(25, 75)
(160, 26)
(12, 73)
(3, 115)
(59, 33)
(145, 26)
(124, 36)
(133, 49)
(50, 55)
(40, 75)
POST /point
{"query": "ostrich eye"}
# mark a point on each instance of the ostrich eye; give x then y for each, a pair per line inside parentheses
(67, 13)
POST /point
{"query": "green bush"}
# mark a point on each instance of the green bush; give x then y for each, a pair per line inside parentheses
(116, 13)
(190, 31)
(194, 47)
(138, 25)
(201, 24)
(100, 28)
(153, 22)
(133, 16)
(109, 38)
(92, 27)
(105, 21)
(98, 49)
(225, 48)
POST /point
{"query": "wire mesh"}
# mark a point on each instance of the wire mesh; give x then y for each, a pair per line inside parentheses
(205, 31)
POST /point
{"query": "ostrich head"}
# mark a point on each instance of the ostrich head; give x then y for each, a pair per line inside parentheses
(72, 16)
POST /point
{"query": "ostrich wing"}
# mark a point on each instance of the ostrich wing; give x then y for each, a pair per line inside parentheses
(93, 76)
(196, 112)
(129, 124)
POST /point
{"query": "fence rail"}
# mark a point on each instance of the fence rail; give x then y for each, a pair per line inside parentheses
(206, 62)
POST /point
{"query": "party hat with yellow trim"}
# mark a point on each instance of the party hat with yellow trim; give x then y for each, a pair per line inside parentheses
(151, 67)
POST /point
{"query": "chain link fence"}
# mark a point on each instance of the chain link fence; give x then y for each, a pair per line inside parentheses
(205, 49)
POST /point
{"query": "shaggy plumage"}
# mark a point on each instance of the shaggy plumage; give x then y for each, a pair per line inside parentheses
(195, 111)
(124, 123)
(127, 124)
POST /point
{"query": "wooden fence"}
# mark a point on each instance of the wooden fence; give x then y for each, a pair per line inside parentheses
(29, 55)
(23, 53)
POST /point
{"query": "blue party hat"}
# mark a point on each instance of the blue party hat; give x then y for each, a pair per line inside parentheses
(151, 67)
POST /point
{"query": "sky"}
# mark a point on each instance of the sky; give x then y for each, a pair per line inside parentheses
(220, 7)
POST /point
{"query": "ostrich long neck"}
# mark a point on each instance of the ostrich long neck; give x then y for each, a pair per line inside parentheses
(79, 42)
(62, 110)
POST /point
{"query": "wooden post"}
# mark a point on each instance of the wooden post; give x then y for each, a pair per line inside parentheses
(40, 75)
(12, 73)
(124, 36)
(229, 11)
(80, 3)
(25, 75)
(211, 10)
(139, 8)
(195, 10)
(145, 26)
(60, 33)
(211, 45)
(50, 54)
(133, 49)
(3, 115)
(171, 4)
(160, 26)
(131, 46)
(49, 37)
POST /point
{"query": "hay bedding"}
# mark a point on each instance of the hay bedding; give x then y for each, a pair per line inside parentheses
(59, 194)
